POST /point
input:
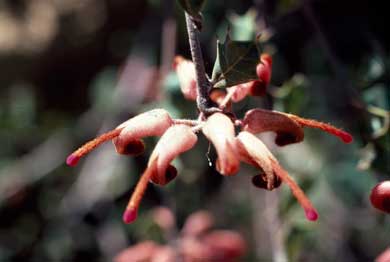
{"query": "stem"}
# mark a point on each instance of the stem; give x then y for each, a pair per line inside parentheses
(203, 100)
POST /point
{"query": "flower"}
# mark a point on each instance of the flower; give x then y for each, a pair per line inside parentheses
(185, 70)
(380, 196)
(196, 242)
(180, 135)
(219, 129)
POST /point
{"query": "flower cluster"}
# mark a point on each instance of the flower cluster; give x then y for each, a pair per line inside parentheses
(195, 242)
(180, 135)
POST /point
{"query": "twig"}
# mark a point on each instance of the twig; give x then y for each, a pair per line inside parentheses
(204, 103)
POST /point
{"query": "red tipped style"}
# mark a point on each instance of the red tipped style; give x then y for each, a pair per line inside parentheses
(130, 215)
(74, 158)
(343, 135)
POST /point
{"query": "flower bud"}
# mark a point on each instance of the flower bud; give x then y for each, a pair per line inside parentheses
(264, 69)
(176, 140)
(185, 70)
(380, 196)
(219, 129)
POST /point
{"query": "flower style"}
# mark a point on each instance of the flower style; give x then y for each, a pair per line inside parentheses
(180, 135)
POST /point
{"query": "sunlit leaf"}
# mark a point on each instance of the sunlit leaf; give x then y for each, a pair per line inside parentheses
(235, 63)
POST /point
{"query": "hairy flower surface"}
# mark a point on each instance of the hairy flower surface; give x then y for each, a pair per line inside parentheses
(180, 135)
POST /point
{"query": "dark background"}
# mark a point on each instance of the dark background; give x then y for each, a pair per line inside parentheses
(70, 70)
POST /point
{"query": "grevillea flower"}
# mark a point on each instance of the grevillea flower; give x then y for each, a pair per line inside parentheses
(176, 140)
(380, 196)
(180, 135)
(197, 241)
(127, 136)
(219, 129)
(254, 152)
(185, 70)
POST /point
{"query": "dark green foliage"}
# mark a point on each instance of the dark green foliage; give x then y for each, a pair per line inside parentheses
(235, 63)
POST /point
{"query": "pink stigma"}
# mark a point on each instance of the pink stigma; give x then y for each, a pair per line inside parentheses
(347, 138)
(130, 215)
(311, 214)
(72, 160)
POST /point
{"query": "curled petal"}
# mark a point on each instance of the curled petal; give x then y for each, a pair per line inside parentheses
(151, 123)
(176, 140)
(185, 70)
(261, 181)
(219, 129)
(252, 151)
(287, 130)
(344, 136)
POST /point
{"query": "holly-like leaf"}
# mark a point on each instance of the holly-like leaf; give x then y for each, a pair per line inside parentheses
(192, 7)
(235, 63)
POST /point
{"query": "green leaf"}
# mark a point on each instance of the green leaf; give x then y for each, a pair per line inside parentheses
(192, 7)
(235, 63)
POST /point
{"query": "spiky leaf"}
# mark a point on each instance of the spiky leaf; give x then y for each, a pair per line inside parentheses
(235, 63)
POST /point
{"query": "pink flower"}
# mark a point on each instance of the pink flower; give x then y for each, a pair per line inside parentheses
(380, 196)
(151, 123)
(127, 136)
(185, 70)
(180, 135)
(176, 140)
(254, 152)
(219, 129)
(190, 245)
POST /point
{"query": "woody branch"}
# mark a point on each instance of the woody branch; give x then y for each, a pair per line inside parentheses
(203, 100)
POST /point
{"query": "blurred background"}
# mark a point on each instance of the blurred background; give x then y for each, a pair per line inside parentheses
(70, 70)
